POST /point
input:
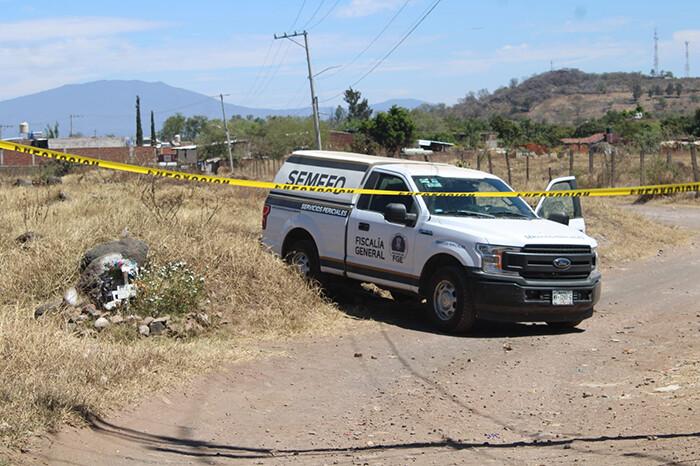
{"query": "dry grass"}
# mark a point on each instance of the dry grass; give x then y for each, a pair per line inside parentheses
(50, 376)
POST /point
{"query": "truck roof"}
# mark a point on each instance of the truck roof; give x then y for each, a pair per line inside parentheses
(410, 167)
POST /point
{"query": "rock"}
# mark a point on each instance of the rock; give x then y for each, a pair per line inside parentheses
(193, 328)
(54, 180)
(27, 237)
(92, 281)
(116, 319)
(64, 196)
(144, 330)
(156, 328)
(91, 310)
(148, 320)
(164, 319)
(101, 323)
(128, 248)
(23, 182)
(70, 297)
(48, 307)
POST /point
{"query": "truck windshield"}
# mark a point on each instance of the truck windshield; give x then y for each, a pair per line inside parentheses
(488, 207)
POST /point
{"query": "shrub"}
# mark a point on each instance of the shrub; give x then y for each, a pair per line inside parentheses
(169, 289)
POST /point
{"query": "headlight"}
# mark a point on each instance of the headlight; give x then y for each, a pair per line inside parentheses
(491, 258)
(595, 259)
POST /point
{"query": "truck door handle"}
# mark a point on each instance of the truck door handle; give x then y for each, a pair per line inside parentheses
(364, 226)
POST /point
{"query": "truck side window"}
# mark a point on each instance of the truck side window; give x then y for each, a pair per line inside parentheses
(385, 182)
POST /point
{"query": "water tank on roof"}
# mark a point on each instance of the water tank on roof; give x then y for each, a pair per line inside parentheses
(176, 139)
(24, 128)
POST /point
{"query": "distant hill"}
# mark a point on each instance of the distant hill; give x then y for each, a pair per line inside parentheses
(571, 96)
(108, 107)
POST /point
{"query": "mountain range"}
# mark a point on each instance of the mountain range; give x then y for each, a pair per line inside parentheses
(108, 107)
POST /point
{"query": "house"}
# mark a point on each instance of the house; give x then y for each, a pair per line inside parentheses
(583, 144)
(435, 146)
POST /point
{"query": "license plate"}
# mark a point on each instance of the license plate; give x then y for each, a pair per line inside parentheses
(562, 297)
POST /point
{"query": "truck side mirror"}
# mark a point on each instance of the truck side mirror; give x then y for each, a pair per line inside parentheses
(396, 213)
(559, 217)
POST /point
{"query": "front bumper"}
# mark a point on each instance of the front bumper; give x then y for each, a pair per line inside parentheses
(519, 300)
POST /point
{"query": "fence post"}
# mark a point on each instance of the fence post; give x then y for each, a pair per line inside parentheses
(527, 167)
(550, 173)
(590, 161)
(510, 181)
(641, 167)
(694, 161)
(490, 163)
(612, 169)
(668, 156)
(571, 161)
(478, 160)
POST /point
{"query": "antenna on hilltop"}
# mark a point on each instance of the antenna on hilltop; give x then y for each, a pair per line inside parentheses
(656, 53)
(687, 60)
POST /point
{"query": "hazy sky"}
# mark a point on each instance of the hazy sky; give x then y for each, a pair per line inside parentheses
(442, 49)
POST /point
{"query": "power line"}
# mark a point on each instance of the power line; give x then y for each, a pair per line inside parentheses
(314, 15)
(372, 42)
(325, 16)
(425, 15)
(297, 18)
(398, 44)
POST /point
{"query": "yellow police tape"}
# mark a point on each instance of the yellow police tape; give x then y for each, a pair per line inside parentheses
(654, 189)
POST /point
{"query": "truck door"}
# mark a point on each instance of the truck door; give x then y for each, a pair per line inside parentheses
(568, 205)
(378, 250)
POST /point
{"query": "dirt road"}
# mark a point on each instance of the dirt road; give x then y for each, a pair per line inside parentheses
(624, 389)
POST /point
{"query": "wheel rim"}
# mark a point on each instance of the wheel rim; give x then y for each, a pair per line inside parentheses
(301, 261)
(445, 300)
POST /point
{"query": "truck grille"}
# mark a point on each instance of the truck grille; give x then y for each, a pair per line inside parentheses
(537, 262)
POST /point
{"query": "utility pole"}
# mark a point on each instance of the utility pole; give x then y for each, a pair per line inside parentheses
(228, 138)
(71, 124)
(314, 100)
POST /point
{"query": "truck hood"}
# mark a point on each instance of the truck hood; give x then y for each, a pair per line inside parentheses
(514, 232)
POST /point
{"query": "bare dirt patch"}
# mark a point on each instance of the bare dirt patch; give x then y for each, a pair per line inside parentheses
(621, 390)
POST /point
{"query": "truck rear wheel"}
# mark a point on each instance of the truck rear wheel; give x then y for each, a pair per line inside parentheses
(302, 255)
(450, 306)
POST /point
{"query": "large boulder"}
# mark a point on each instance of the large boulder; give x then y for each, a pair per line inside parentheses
(129, 248)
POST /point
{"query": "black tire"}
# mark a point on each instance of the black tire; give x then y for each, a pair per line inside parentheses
(449, 300)
(303, 256)
(565, 325)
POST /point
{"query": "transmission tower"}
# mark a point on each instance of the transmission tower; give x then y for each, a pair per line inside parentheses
(656, 53)
(687, 60)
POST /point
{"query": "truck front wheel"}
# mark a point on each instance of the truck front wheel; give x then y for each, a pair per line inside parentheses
(302, 255)
(449, 302)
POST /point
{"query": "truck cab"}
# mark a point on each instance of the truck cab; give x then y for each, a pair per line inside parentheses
(437, 234)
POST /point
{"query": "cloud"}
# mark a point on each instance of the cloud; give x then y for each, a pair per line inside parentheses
(690, 35)
(361, 8)
(72, 27)
(563, 54)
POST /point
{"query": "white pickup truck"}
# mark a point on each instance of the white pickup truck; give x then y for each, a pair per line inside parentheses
(490, 258)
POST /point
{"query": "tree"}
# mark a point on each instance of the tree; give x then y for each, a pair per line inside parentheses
(153, 131)
(139, 130)
(392, 130)
(193, 126)
(173, 125)
(679, 89)
(51, 133)
(670, 89)
(508, 131)
(636, 91)
(357, 109)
